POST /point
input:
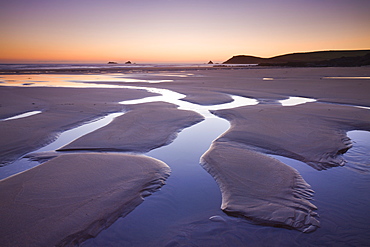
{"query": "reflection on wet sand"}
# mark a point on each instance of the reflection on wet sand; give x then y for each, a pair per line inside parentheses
(80, 81)
(23, 115)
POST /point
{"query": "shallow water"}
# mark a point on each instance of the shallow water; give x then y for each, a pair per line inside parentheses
(98, 66)
(341, 195)
(348, 77)
(175, 98)
(186, 210)
(190, 192)
(23, 115)
(292, 101)
(63, 139)
(76, 81)
(358, 157)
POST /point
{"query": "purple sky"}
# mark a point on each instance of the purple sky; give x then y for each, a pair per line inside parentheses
(177, 30)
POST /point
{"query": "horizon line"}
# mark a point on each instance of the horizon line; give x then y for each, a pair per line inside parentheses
(140, 61)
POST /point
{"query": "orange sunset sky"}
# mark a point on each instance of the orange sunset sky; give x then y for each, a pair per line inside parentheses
(177, 30)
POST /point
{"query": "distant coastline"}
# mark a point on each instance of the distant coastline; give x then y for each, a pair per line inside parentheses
(335, 58)
(339, 58)
(106, 68)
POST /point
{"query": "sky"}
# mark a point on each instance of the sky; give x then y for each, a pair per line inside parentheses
(177, 30)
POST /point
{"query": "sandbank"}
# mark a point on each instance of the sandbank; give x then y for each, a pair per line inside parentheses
(260, 188)
(74, 196)
(314, 133)
(213, 86)
(62, 109)
(141, 129)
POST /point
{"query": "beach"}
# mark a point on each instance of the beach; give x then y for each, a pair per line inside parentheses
(84, 186)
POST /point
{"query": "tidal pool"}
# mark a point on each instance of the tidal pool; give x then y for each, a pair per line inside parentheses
(341, 195)
(26, 114)
(63, 139)
(292, 101)
(190, 192)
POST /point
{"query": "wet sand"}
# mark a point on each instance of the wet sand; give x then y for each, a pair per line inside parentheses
(62, 109)
(314, 133)
(260, 188)
(165, 120)
(74, 196)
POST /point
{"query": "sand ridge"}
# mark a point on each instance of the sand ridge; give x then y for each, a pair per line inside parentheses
(144, 127)
(74, 196)
(314, 133)
(62, 109)
(260, 188)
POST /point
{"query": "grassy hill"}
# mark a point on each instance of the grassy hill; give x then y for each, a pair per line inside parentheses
(317, 58)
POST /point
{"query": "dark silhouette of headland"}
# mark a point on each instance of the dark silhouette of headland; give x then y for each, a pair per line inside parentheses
(350, 58)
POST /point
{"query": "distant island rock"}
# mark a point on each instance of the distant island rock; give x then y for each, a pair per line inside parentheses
(349, 58)
(112, 63)
(128, 62)
(210, 62)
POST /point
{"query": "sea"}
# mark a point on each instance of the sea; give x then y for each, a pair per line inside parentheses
(76, 66)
